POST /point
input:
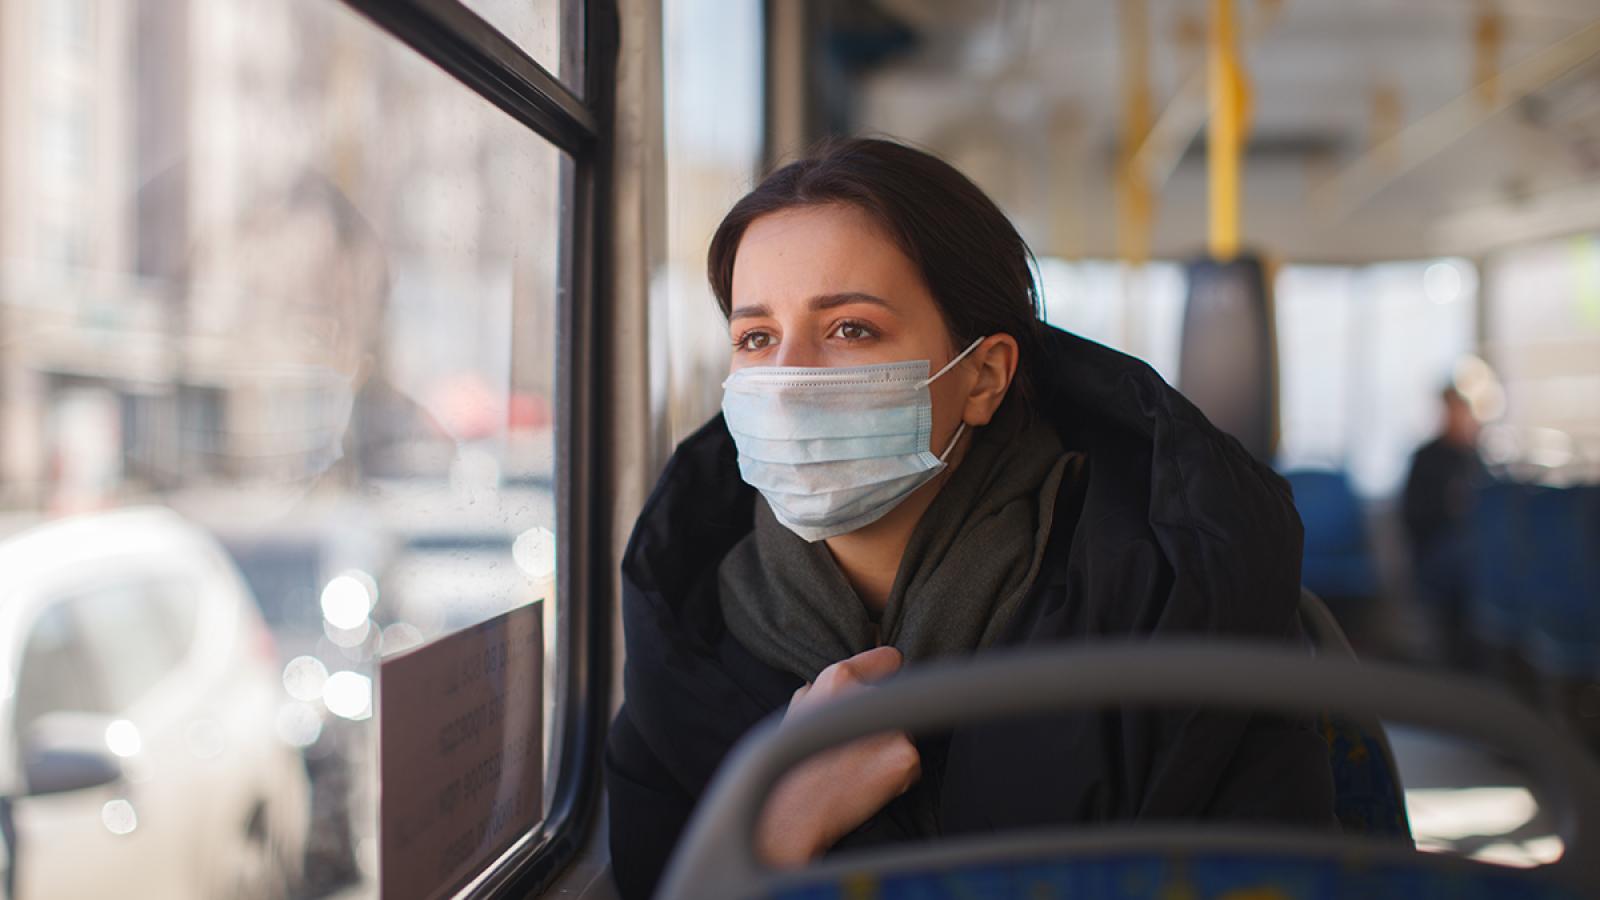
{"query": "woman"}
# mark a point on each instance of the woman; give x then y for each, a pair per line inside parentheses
(911, 466)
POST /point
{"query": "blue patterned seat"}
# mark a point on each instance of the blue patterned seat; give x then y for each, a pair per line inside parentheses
(1192, 876)
(1368, 797)
(1337, 559)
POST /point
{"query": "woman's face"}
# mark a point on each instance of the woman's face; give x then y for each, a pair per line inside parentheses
(823, 286)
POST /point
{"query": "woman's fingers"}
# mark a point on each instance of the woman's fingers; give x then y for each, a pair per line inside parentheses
(835, 791)
(832, 793)
(861, 669)
(875, 664)
(797, 702)
(897, 761)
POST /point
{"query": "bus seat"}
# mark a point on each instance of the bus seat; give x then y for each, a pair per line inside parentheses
(1206, 860)
(1368, 796)
(1556, 581)
(1337, 562)
(1496, 614)
(1199, 876)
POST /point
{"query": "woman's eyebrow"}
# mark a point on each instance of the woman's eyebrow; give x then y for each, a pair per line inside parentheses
(829, 301)
(749, 312)
(818, 304)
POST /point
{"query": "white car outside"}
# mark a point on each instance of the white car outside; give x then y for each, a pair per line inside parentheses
(139, 692)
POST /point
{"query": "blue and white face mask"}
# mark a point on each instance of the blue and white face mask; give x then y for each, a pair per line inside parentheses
(834, 450)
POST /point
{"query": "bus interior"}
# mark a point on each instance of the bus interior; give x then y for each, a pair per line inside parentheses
(343, 341)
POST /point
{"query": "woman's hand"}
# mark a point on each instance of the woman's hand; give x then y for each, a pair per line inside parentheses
(829, 795)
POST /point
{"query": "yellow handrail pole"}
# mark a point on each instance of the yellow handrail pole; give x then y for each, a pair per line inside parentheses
(1387, 117)
(1488, 37)
(1135, 200)
(1225, 130)
(1174, 128)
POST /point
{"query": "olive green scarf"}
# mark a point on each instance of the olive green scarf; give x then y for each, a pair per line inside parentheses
(968, 565)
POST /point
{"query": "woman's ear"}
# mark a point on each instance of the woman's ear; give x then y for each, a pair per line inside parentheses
(995, 365)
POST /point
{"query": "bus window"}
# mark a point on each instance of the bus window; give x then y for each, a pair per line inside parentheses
(1362, 354)
(1545, 339)
(283, 298)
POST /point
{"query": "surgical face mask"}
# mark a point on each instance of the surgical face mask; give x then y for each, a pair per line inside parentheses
(300, 417)
(834, 450)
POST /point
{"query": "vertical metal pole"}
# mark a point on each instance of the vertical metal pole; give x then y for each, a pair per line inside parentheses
(1134, 200)
(787, 24)
(1225, 131)
(1488, 37)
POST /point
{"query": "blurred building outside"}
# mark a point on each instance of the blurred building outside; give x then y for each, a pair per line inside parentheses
(144, 142)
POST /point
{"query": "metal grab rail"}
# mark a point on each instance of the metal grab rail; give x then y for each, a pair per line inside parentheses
(717, 857)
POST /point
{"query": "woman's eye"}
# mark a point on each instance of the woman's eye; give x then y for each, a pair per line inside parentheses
(854, 331)
(752, 341)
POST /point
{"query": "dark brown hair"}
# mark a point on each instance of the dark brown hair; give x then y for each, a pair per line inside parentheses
(977, 267)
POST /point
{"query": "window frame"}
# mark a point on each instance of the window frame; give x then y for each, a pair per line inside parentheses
(493, 66)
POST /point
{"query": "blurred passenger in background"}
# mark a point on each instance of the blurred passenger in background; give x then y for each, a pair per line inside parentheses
(1437, 506)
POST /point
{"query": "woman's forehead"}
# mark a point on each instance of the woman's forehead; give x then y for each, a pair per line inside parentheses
(795, 255)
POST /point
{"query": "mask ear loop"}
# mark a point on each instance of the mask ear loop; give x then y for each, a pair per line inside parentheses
(962, 428)
(952, 363)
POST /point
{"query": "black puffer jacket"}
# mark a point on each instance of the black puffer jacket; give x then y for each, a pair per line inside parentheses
(1174, 530)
